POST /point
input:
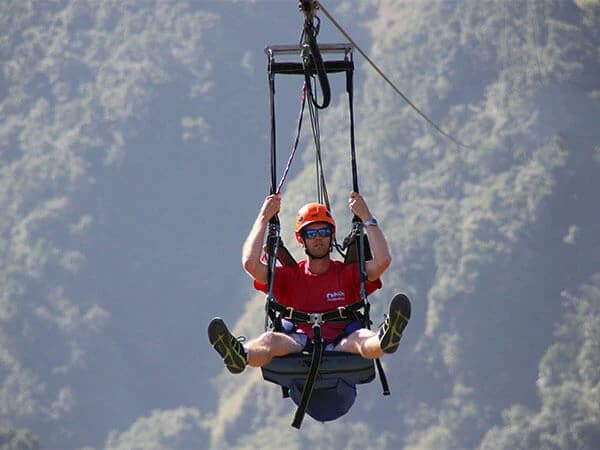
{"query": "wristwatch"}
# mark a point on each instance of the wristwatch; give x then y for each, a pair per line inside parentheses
(371, 222)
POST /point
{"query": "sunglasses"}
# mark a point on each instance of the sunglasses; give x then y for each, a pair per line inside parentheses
(321, 232)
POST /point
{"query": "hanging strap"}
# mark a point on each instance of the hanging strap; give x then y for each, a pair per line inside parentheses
(351, 242)
(321, 188)
(363, 280)
(312, 61)
(361, 241)
(309, 383)
(273, 239)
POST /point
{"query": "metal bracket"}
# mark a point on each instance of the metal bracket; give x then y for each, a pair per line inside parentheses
(316, 318)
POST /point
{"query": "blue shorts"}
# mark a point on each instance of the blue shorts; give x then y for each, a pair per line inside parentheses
(302, 339)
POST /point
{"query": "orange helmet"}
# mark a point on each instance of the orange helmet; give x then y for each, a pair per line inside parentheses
(311, 213)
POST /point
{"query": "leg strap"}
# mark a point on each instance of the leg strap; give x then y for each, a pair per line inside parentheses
(309, 383)
(384, 383)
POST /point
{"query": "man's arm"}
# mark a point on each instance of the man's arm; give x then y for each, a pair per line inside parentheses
(252, 249)
(377, 242)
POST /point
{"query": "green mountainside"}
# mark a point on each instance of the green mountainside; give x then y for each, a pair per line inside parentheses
(134, 158)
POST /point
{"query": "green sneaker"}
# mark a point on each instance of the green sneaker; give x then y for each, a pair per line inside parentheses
(229, 347)
(390, 332)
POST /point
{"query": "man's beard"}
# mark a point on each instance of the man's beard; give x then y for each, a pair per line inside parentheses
(322, 253)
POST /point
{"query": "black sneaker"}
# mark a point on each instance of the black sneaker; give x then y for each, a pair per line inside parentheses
(390, 332)
(230, 348)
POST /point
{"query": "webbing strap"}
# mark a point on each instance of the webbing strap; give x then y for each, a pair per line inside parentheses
(273, 241)
(363, 279)
(384, 382)
(343, 313)
(350, 92)
(312, 61)
(274, 225)
(309, 383)
(273, 130)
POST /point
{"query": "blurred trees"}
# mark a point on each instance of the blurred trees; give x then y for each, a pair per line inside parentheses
(116, 123)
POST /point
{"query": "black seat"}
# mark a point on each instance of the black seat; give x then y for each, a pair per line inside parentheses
(350, 367)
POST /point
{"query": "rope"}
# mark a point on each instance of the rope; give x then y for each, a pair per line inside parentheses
(322, 195)
(380, 72)
(296, 140)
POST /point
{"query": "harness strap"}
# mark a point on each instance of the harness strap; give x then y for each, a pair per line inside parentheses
(384, 382)
(309, 384)
(283, 254)
(350, 244)
(285, 257)
(343, 313)
(361, 240)
(312, 61)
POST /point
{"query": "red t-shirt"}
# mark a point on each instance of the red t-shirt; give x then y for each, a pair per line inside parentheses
(305, 291)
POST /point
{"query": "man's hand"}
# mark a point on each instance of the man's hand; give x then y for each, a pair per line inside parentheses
(271, 206)
(359, 207)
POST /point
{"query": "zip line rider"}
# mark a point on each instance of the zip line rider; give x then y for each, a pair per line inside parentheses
(316, 284)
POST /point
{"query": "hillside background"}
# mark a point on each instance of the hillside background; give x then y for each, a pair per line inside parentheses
(133, 160)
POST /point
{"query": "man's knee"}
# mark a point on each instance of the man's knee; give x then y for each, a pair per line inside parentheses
(265, 339)
(355, 340)
(362, 334)
(272, 339)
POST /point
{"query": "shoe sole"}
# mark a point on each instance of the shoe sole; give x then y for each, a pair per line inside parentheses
(221, 338)
(398, 318)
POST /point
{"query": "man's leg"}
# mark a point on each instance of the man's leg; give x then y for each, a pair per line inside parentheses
(268, 345)
(364, 342)
(370, 344)
(257, 352)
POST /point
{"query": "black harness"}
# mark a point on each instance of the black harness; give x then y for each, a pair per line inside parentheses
(348, 313)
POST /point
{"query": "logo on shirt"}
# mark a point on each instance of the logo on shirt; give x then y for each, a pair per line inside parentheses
(336, 296)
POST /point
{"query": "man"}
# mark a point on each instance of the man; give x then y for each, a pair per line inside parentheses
(314, 285)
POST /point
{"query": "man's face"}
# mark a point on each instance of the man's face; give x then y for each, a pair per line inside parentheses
(317, 238)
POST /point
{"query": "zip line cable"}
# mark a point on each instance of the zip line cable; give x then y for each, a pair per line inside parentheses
(380, 72)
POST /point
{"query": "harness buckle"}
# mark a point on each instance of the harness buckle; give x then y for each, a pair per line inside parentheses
(290, 312)
(341, 310)
(315, 318)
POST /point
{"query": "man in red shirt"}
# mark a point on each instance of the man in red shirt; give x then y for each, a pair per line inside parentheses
(315, 285)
